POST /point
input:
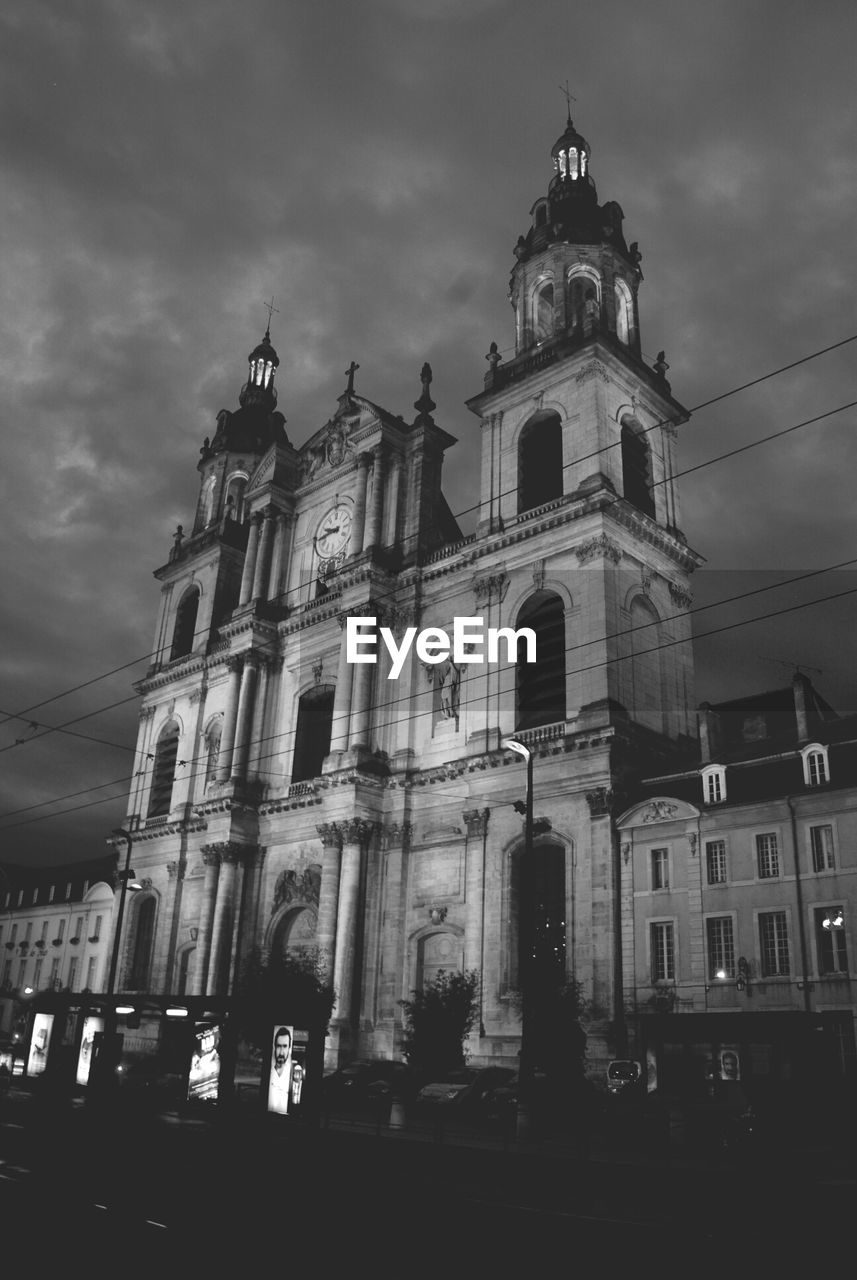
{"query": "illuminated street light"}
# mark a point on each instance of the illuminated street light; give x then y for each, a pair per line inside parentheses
(525, 925)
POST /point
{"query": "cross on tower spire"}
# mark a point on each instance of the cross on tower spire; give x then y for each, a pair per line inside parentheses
(349, 373)
(569, 98)
(270, 308)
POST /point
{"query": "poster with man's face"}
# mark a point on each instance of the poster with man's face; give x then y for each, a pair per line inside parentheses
(730, 1064)
(280, 1078)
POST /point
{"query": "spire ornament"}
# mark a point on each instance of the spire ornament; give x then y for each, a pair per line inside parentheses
(425, 404)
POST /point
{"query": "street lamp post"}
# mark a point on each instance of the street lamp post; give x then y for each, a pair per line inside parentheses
(525, 933)
(124, 875)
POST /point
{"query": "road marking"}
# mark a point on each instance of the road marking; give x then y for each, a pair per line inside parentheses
(150, 1222)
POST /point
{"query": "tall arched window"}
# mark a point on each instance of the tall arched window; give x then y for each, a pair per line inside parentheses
(584, 298)
(540, 476)
(141, 954)
(234, 506)
(624, 312)
(538, 914)
(543, 313)
(163, 773)
(540, 686)
(636, 467)
(647, 703)
(312, 736)
(184, 630)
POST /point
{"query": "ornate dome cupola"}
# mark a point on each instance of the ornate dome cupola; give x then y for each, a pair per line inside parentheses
(259, 387)
(570, 155)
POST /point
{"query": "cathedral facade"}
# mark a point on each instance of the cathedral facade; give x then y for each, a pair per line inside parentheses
(287, 798)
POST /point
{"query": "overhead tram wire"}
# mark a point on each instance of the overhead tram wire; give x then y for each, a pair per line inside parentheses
(283, 596)
(286, 734)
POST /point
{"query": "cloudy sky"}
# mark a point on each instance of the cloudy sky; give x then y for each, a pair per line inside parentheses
(169, 166)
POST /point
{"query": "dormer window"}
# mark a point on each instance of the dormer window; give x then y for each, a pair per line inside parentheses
(816, 771)
(714, 784)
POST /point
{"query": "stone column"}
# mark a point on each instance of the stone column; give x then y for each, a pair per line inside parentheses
(263, 558)
(163, 981)
(230, 720)
(211, 858)
(393, 501)
(245, 594)
(376, 510)
(224, 911)
(328, 897)
(244, 719)
(355, 835)
(476, 822)
(359, 517)
(259, 747)
(342, 698)
(358, 733)
(277, 557)
(237, 901)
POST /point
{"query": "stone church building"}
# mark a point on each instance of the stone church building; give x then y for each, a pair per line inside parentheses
(288, 799)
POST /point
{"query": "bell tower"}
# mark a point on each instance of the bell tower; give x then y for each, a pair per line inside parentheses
(578, 437)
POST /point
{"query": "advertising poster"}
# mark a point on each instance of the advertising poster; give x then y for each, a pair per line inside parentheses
(92, 1027)
(280, 1075)
(42, 1027)
(204, 1077)
(730, 1063)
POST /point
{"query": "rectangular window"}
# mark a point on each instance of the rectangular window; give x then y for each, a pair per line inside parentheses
(774, 944)
(35, 895)
(78, 927)
(45, 924)
(713, 788)
(52, 892)
(13, 937)
(821, 843)
(830, 938)
(721, 948)
(663, 953)
(817, 769)
(96, 933)
(61, 929)
(660, 869)
(767, 856)
(72, 973)
(37, 974)
(90, 974)
(68, 891)
(7, 974)
(21, 970)
(20, 896)
(28, 932)
(55, 969)
(715, 861)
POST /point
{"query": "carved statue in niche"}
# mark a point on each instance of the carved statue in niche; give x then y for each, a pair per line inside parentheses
(296, 886)
(446, 678)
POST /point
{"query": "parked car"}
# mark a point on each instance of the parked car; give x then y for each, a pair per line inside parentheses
(11, 1056)
(462, 1091)
(367, 1084)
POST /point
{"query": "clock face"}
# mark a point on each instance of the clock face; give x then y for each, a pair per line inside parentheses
(334, 533)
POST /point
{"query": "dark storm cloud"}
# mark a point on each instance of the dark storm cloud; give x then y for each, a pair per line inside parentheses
(167, 167)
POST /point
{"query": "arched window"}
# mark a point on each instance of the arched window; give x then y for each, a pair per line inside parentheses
(160, 797)
(540, 475)
(543, 313)
(540, 686)
(636, 467)
(646, 701)
(234, 506)
(624, 312)
(538, 914)
(184, 630)
(312, 736)
(212, 750)
(141, 954)
(815, 767)
(584, 299)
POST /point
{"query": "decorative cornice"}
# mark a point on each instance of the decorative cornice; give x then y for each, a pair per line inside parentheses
(600, 545)
(491, 586)
(680, 596)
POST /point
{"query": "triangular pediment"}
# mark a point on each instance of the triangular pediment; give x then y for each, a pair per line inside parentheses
(276, 468)
(657, 810)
